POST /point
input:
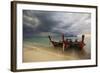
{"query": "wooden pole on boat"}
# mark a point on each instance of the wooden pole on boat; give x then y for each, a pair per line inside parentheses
(51, 41)
(83, 36)
(81, 44)
(63, 41)
(50, 38)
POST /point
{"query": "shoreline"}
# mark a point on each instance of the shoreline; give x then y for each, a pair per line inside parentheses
(33, 53)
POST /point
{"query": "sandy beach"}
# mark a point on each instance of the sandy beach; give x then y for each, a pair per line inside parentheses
(40, 27)
(35, 53)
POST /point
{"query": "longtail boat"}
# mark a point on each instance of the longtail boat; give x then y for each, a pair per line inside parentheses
(68, 43)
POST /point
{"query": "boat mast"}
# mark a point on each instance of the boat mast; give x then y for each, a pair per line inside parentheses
(83, 36)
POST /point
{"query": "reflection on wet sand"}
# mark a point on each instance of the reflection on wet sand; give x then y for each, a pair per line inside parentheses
(33, 53)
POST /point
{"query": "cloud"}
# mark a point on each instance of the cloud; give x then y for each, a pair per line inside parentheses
(42, 23)
(75, 23)
(30, 20)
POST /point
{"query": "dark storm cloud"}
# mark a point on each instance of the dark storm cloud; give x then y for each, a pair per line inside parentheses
(44, 22)
(28, 31)
(38, 21)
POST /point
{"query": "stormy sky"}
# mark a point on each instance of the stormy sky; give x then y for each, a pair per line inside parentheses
(44, 23)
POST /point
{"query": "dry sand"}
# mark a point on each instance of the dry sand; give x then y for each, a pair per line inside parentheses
(34, 53)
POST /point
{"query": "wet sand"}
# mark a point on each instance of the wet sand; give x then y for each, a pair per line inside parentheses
(34, 53)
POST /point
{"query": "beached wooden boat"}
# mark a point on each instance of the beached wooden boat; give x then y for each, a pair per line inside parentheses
(68, 43)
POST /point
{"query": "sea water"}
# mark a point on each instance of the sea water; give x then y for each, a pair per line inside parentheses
(45, 42)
